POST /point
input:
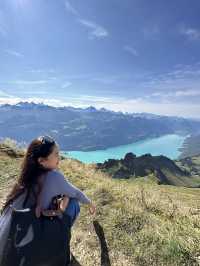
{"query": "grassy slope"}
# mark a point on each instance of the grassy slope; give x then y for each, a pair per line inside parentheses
(143, 223)
(172, 175)
(178, 180)
(190, 147)
(191, 164)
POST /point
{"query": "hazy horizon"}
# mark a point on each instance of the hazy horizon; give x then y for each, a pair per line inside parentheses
(99, 108)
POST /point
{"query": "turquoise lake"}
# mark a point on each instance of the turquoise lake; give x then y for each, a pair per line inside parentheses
(167, 145)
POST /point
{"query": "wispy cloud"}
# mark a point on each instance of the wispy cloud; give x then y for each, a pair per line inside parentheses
(180, 85)
(70, 8)
(108, 79)
(4, 94)
(182, 77)
(42, 71)
(178, 93)
(66, 85)
(104, 80)
(131, 50)
(191, 33)
(187, 93)
(13, 53)
(28, 82)
(95, 31)
(92, 99)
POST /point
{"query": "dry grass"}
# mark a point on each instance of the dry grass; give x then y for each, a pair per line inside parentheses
(143, 223)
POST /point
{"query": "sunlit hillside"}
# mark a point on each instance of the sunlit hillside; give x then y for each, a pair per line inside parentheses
(137, 222)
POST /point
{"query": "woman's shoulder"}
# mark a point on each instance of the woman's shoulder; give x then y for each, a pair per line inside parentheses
(54, 173)
(55, 180)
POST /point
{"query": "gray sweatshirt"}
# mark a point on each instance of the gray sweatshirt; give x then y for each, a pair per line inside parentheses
(55, 183)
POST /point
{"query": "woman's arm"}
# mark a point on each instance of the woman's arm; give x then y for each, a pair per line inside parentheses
(74, 192)
(60, 185)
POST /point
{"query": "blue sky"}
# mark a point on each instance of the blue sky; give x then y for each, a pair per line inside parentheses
(130, 55)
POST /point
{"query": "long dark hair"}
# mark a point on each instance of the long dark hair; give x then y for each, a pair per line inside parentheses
(31, 169)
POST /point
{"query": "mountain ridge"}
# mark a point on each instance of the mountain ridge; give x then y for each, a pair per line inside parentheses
(87, 129)
(167, 171)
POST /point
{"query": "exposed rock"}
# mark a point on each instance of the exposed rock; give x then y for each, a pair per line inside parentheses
(12, 152)
(122, 173)
(129, 156)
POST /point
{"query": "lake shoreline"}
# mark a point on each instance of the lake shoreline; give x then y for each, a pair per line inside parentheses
(190, 147)
(168, 145)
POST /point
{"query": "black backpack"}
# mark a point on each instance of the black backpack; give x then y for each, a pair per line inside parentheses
(36, 241)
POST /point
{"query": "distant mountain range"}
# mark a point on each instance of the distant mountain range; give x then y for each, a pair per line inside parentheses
(87, 129)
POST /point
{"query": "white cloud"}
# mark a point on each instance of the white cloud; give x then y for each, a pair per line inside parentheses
(28, 82)
(4, 94)
(105, 80)
(53, 78)
(92, 99)
(42, 71)
(66, 85)
(187, 93)
(182, 77)
(131, 50)
(70, 8)
(191, 33)
(178, 93)
(14, 53)
(95, 31)
(34, 92)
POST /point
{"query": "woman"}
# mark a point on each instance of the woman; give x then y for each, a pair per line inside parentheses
(40, 180)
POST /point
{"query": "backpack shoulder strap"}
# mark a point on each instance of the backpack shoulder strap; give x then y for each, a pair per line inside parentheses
(26, 198)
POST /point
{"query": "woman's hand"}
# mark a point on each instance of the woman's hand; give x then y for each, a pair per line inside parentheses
(92, 208)
(38, 211)
(64, 203)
